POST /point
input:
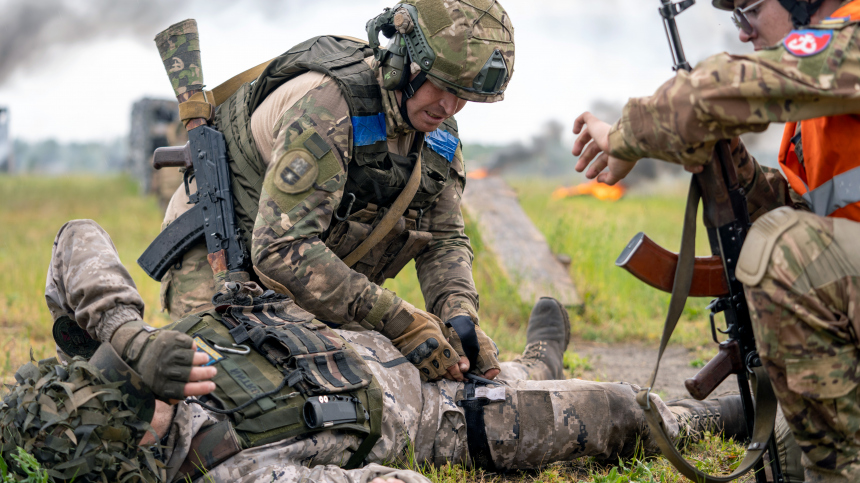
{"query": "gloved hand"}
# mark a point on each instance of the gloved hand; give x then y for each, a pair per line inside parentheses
(163, 358)
(425, 344)
(468, 339)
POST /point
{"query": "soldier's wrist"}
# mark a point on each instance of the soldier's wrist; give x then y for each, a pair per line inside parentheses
(115, 318)
(397, 318)
(129, 339)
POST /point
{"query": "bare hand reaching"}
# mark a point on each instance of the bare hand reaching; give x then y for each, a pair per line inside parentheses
(593, 145)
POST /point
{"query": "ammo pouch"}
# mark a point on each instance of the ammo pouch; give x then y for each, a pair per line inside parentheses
(402, 244)
(272, 358)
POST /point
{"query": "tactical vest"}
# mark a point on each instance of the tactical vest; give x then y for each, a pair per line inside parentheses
(275, 364)
(375, 176)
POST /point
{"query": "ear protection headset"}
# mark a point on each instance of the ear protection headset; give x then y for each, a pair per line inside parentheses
(408, 45)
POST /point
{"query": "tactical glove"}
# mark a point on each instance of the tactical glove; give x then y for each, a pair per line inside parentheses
(468, 339)
(163, 358)
(424, 343)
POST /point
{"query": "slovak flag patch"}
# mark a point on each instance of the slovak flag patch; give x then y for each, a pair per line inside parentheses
(803, 43)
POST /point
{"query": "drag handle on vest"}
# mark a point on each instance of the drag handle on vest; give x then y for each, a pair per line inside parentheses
(173, 157)
(725, 363)
(179, 46)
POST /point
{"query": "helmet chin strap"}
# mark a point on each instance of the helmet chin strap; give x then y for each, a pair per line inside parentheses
(801, 12)
(408, 92)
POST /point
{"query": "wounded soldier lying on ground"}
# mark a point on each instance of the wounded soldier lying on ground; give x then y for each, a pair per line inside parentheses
(295, 399)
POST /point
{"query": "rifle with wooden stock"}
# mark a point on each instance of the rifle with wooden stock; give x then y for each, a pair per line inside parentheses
(727, 221)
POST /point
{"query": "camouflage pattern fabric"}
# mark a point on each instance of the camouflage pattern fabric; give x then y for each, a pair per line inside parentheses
(87, 282)
(531, 424)
(76, 424)
(464, 36)
(806, 312)
(187, 287)
(727, 95)
(179, 47)
(287, 244)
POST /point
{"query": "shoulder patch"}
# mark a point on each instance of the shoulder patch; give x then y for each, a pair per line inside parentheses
(804, 43)
(367, 130)
(296, 171)
(443, 143)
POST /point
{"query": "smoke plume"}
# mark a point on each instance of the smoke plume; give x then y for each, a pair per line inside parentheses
(32, 33)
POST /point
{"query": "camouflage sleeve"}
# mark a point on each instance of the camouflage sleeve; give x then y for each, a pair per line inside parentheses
(727, 95)
(766, 188)
(445, 266)
(302, 188)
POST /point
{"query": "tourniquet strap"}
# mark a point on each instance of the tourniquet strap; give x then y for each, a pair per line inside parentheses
(476, 430)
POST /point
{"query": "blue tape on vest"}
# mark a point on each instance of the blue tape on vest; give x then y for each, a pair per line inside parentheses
(443, 143)
(367, 130)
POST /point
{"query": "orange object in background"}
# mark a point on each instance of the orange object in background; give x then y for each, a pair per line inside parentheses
(480, 173)
(594, 188)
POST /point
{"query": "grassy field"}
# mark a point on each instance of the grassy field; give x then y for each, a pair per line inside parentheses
(618, 308)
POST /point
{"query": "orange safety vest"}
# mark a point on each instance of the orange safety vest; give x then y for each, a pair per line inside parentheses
(829, 178)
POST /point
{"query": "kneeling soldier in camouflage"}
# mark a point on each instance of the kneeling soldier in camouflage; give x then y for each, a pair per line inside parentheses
(292, 397)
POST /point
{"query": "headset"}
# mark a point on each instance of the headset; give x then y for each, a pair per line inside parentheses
(408, 46)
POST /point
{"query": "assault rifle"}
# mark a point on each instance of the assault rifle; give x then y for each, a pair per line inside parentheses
(204, 158)
(727, 221)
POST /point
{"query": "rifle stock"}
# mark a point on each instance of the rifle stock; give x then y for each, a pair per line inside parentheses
(654, 265)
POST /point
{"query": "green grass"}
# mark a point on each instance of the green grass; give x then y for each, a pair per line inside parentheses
(32, 210)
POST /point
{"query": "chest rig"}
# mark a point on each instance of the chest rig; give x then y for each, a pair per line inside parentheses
(281, 374)
(375, 175)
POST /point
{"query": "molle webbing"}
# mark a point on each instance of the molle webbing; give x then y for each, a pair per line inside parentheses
(339, 58)
(295, 353)
(336, 57)
(247, 168)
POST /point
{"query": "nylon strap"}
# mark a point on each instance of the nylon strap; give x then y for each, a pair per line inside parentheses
(476, 429)
(398, 208)
(374, 402)
(765, 400)
(203, 103)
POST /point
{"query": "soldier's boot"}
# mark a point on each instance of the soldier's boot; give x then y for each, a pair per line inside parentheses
(547, 338)
(719, 415)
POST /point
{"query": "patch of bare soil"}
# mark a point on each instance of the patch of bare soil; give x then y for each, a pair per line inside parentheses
(634, 363)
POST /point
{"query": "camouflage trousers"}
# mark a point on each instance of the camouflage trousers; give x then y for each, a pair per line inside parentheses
(529, 423)
(805, 304)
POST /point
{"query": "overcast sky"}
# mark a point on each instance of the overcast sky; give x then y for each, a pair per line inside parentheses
(70, 69)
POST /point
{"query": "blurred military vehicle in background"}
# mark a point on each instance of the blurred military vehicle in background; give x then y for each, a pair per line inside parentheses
(6, 157)
(154, 123)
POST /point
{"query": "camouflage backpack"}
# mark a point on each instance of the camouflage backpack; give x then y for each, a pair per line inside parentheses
(77, 423)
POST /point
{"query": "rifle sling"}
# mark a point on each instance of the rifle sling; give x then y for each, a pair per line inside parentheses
(394, 213)
(765, 400)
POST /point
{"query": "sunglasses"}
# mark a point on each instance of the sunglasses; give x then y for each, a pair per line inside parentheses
(740, 18)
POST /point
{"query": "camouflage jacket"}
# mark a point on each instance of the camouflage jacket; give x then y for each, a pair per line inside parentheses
(297, 242)
(727, 95)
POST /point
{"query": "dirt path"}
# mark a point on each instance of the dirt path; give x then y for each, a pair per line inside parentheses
(634, 363)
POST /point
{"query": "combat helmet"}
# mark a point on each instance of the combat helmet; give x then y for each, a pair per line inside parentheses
(466, 48)
(82, 421)
(801, 11)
